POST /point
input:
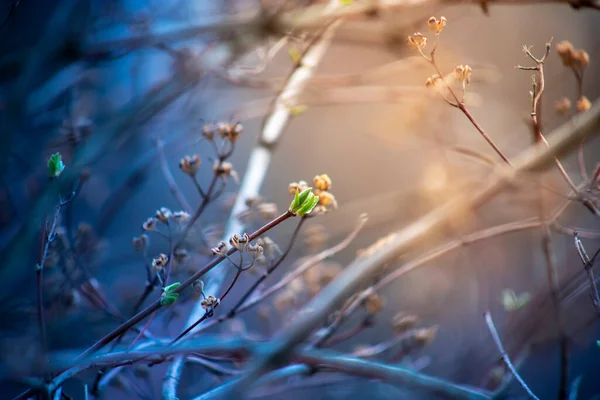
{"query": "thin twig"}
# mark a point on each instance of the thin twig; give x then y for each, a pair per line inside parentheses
(505, 358)
(359, 271)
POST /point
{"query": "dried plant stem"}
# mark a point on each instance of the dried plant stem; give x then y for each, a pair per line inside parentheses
(505, 358)
(359, 271)
(301, 269)
(269, 271)
(258, 165)
(156, 305)
(460, 103)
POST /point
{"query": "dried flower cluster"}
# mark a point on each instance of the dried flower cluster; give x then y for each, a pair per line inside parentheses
(164, 216)
(571, 57)
(462, 73)
(417, 41)
(435, 25)
(159, 262)
(210, 302)
(578, 61)
(190, 165)
(225, 130)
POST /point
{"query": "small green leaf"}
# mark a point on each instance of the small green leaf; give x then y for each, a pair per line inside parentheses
(296, 202)
(169, 299)
(304, 202)
(308, 206)
(171, 287)
(55, 165)
(295, 55)
(304, 196)
(345, 2)
(513, 301)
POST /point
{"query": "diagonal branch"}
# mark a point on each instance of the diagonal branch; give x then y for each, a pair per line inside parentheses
(311, 316)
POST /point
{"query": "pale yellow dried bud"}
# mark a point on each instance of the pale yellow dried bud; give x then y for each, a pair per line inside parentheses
(374, 303)
(190, 165)
(581, 59)
(565, 51)
(432, 81)
(327, 199)
(417, 41)
(435, 25)
(322, 182)
(583, 104)
(463, 73)
(403, 322)
(563, 106)
(300, 186)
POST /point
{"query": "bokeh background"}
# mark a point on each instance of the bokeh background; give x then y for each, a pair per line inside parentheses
(389, 156)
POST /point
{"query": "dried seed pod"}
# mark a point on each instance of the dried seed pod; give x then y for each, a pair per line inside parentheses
(181, 217)
(239, 241)
(417, 41)
(163, 215)
(220, 249)
(149, 224)
(322, 182)
(209, 302)
(190, 165)
(583, 104)
(159, 262)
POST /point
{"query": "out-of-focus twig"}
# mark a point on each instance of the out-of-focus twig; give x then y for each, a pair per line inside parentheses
(505, 358)
(258, 165)
(358, 272)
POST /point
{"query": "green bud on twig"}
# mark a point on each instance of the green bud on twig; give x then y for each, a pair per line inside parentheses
(55, 165)
(168, 297)
(304, 202)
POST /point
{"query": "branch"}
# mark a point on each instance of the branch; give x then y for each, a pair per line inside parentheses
(359, 271)
(257, 168)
